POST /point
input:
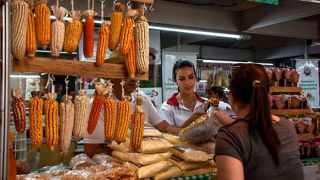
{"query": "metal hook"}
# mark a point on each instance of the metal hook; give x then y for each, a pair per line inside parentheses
(53, 78)
(66, 80)
(144, 7)
(72, 5)
(129, 4)
(102, 7)
(151, 8)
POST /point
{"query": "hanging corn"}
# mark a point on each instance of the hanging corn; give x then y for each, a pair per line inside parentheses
(19, 111)
(35, 118)
(51, 107)
(81, 105)
(142, 44)
(31, 42)
(103, 39)
(66, 121)
(137, 124)
(42, 24)
(19, 26)
(73, 32)
(115, 27)
(109, 114)
(123, 117)
(131, 60)
(96, 107)
(88, 36)
(57, 31)
(126, 35)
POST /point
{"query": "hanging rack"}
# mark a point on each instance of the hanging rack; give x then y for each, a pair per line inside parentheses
(102, 7)
(145, 1)
(66, 81)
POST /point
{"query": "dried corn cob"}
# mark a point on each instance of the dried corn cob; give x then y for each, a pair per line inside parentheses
(31, 42)
(35, 121)
(115, 27)
(142, 44)
(66, 123)
(95, 108)
(19, 111)
(52, 124)
(131, 60)
(123, 119)
(73, 32)
(19, 27)
(88, 38)
(109, 118)
(81, 106)
(102, 43)
(137, 125)
(126, 35)
(57, 31)
(42, 24)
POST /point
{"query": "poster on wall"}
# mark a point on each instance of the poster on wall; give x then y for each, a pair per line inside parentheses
(168, 60)
(154, 47)
(309, 79)
(154, 95)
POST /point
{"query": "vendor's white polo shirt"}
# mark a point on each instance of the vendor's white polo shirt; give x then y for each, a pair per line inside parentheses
(175, 113)
(151, 115)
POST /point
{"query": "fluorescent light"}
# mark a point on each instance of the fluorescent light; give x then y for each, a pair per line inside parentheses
(203, 81)
(313, 1)
(24, 76)
(62, 52)
(207, 33)
(233, 62)
(222, 61)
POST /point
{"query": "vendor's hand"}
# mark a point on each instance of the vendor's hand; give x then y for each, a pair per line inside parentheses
(193, 117)
(222, 116)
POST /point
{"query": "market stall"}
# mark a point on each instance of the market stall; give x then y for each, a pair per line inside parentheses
(147, 153)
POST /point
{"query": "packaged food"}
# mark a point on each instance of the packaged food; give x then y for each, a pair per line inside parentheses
(153, 169)
(81, 161)
(187, 166)
(102, 159)
(190, 154)
(141, 158)
(76, 174)
(172, 172)
(200, 171)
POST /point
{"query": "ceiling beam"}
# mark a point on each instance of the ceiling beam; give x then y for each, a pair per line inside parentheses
(295, 29)
(268, 15)
(179, 14)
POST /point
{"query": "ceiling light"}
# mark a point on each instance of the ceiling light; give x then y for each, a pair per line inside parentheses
(233, 62)
(25, 76)
(207, 33)
(312, 1)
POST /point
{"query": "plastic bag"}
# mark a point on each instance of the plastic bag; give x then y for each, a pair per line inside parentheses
(190, 154)
(81, 161)
(103, 159)
(201, 130)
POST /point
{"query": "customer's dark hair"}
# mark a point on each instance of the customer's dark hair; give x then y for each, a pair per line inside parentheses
(181, 64)
(250, 85)
(216, 90)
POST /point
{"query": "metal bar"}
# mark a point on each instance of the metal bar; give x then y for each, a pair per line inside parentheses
(5, 72)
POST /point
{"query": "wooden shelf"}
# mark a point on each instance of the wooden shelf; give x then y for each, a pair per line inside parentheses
(291, 112)
(286, 89)
(71, 67)
(308, 136)
(145, 1)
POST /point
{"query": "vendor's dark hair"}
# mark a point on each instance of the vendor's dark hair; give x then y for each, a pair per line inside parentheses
(181, 64)
(250, 85)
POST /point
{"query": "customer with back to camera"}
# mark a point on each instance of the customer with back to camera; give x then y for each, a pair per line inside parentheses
(256, 145)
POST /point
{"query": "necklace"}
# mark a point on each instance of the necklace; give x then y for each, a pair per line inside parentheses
(191, 105)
